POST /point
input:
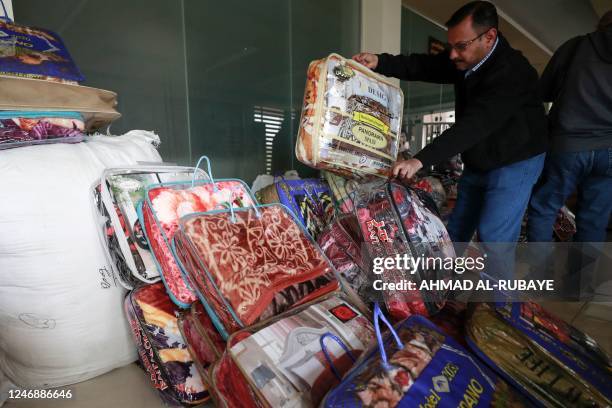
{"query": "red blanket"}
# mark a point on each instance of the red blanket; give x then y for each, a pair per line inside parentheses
(261, 265)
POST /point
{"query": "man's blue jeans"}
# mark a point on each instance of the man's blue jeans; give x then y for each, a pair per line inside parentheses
(588, 172)
(493, 204)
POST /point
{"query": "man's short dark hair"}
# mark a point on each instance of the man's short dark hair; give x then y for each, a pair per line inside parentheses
(605, 21)
(484, 15)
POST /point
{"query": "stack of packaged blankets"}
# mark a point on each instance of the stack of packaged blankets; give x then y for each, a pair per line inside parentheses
(265, 300)
(42, 101)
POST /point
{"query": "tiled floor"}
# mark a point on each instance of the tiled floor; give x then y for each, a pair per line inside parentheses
(593, 318)
(596, 320)
(124, 387)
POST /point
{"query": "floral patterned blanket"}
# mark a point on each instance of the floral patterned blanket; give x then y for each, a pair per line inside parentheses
(23, 131)
(163, 207)
(252, 267)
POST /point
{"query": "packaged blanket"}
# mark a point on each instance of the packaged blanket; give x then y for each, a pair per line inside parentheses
(416, 365)
(422, 225)
(433, 186)
(295, 359)
(97, 106)
(203, 341)
(351, 119)
(395, 222)
(343, 245)
(161, 347)
(118, 196)
(24, 128)
(309, 199)
(35, 53)
(341, 189)
(165, 203)
(250, 264)
(230, 388)
(553, 363)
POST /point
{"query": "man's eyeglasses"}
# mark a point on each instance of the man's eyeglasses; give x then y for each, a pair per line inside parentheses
(462, 45)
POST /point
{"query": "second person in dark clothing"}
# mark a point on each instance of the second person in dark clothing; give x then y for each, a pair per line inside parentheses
(578, 81)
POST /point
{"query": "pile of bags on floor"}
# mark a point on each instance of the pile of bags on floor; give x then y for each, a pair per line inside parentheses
(250, 311)
(234, 299)
(61, 314)
(264, 299)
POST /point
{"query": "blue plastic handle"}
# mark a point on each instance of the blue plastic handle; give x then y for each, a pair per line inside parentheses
(379, 315)
(326, 353)
(209, 172)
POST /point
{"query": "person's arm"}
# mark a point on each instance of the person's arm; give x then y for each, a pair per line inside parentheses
(418, 67)
(504, 95)
(554, 74)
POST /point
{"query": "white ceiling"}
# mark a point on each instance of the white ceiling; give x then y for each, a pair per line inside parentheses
(552, 22)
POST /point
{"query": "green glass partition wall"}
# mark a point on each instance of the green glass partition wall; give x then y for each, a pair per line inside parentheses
(224, 79)
(416, 33)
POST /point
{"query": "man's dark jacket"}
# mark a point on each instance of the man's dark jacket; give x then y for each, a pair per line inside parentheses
(578, 80)
(499, 114)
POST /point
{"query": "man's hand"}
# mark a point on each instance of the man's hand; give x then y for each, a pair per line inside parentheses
(406, 169)
(367, 59)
